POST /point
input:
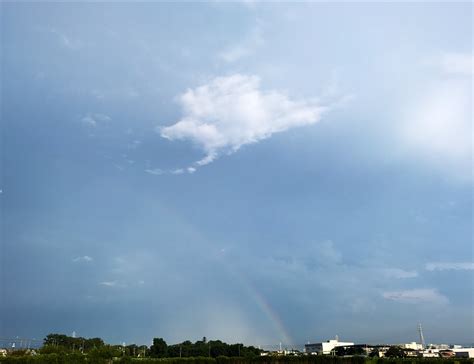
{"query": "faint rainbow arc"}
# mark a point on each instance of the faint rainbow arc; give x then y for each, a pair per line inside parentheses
(263, 304)
(256, 295)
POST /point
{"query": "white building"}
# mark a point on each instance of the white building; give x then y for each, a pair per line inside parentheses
(413, 345)
(430, 353)
(325, 347)
(438, 346)
(464, 352)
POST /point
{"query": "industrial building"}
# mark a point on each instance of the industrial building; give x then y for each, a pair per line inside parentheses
(325, 347)
(413, 346)
(463, 352)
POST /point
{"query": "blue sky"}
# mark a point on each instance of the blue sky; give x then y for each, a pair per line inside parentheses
(252, 172)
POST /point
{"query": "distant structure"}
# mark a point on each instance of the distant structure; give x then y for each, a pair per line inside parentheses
(412, 346)
(325, 347)
(463, 352)
(422, 339)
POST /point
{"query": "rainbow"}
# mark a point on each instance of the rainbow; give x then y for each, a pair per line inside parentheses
(262, 302)
(270, 312)
(259, 299)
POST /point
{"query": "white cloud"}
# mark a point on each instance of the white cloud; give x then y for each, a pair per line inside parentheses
(177, 171)
(155, 171)
(229, 112)
(449, 266)
(438, 124)
(457, 63)
(116, 284)
(109, 283)
(84, 258)
(400, 273)
(416, 296)
(94, 119)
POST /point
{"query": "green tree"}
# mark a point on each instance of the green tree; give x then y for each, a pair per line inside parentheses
(132, 350)
(395, 352)
(159, 349)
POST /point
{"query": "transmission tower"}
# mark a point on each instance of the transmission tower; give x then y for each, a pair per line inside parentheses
(422, 339)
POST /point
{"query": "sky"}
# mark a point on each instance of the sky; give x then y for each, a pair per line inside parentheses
(250, 172)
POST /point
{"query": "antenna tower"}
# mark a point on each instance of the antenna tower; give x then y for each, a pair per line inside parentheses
(422, 339)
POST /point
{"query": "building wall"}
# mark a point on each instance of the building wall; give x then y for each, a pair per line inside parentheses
(413, 345)
(325, 347)
(464, 352)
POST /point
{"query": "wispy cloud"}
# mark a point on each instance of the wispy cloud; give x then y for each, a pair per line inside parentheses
(416, 296)
(126, 271)
(94, 119)
(229, 112)
(109, 283)
(441, 266)
(177, 171)
(67, 41)
(155, 171)
(114, 284)
(457, 63)
(84, 258)
(134, 144)
(400, 273)
(326, 253)
(244, 48)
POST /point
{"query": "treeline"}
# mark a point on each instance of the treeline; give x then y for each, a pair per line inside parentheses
(76, 358)
(201, 348)
(53, 341)
(63, 344)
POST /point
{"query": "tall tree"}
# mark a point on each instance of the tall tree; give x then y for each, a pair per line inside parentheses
(159, 349)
